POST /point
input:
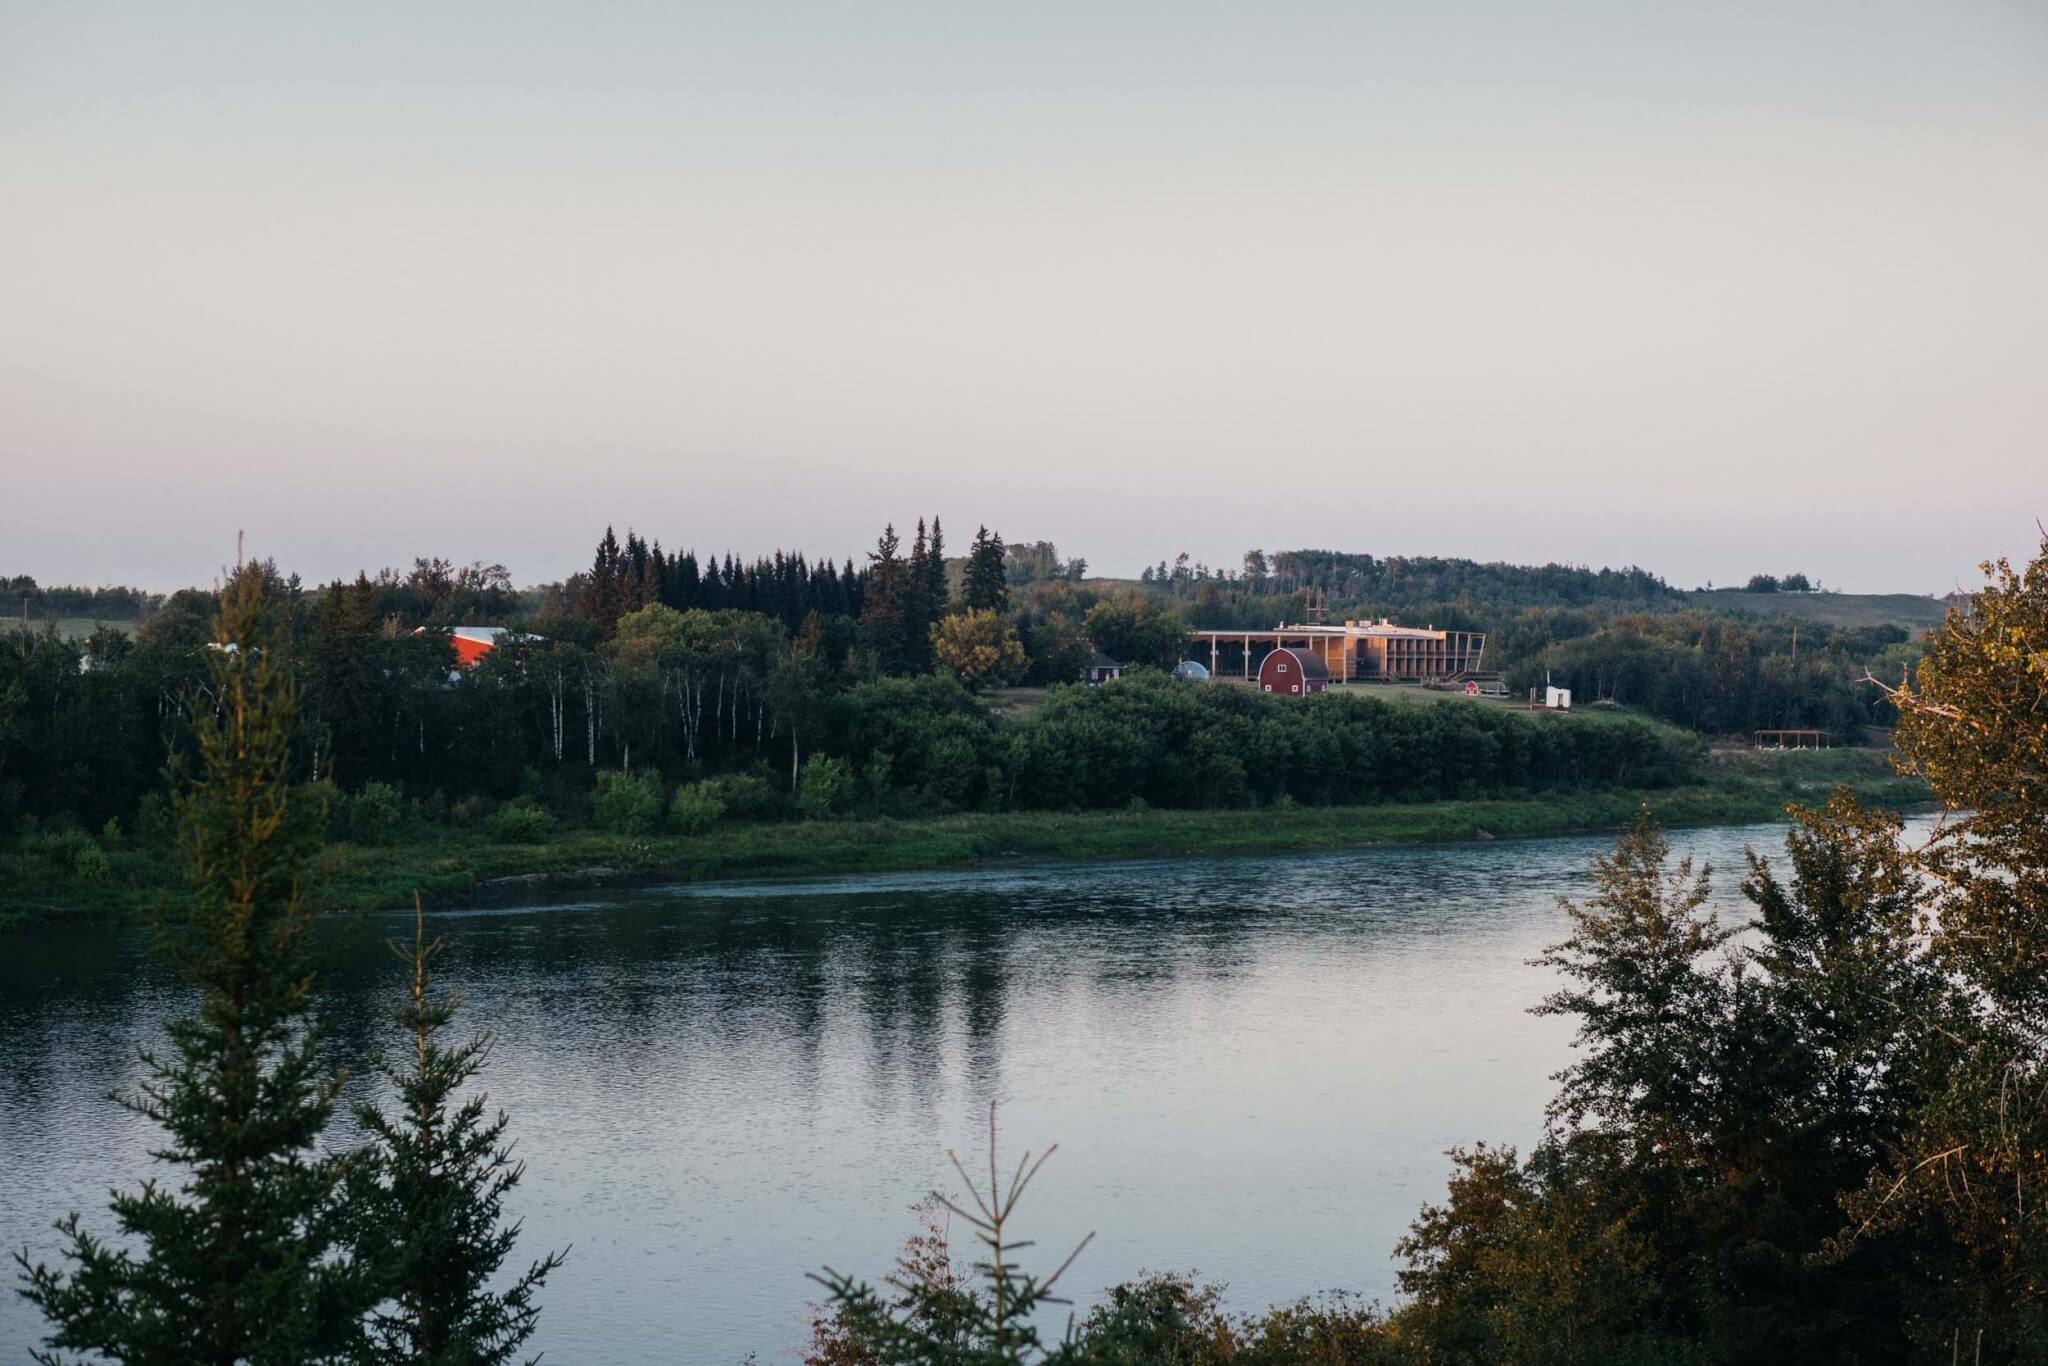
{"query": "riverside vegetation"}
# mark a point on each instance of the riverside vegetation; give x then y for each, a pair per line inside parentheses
(658, 716)
(1826, 1140)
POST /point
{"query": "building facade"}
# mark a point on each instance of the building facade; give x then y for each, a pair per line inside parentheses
(1356, 652)
(1293, 673)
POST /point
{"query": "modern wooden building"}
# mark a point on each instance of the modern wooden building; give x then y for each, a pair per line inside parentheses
(1356, 652)
(1293, 673)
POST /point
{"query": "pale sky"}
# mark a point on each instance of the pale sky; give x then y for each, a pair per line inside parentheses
(1712, 288)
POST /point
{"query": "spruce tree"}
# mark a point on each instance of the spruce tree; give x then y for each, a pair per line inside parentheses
(986, 585)
(936, 590)
(243, 1259)
(428, 1205)
(882, 618)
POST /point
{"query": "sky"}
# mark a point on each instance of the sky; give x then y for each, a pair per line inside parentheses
(1713, 289)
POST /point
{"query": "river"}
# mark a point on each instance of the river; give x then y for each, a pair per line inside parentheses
(1252, 1067)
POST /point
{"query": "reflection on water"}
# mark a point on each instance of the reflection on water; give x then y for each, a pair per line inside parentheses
(1252, 1067)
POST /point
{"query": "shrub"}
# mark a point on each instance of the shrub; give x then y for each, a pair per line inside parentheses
(472, 810)
(748, 795)
(519, 822)
(373, 814)
(153, 821)
(89, 863)
(695, 808)
(825, 788)
(627, 803)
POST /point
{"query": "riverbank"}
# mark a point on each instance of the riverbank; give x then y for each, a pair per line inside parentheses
(451, 867)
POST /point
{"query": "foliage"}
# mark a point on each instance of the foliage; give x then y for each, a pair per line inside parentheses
(520, 821)
(1136, 629)
(978, 647)
(695, 808)
(828, 787)
(426, 1201)
(1960, 1192)
(1646, 1010)
(933, 1314)
(374, 814)
(245, 1260)
(627, 803)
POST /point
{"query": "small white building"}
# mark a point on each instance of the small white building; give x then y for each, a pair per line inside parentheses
(1557, 699)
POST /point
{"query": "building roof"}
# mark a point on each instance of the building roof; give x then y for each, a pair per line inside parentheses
(1312, 666)
(1381, 629)
(1103, 661)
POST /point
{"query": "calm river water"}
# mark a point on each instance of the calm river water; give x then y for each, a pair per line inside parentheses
(1252, 1068)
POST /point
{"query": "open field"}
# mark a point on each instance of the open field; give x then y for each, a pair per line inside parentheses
(78, 628)
(1910, 610)
(458, 866)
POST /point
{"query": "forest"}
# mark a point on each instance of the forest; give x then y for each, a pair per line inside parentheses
(1819, 1135)
(657, 692)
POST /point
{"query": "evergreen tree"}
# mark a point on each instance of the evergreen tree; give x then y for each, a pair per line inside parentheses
(937, 591)
(245, 1260)
(986, 586)
(917, 604)
(884, 614)
(428, 1205)
(604, 599)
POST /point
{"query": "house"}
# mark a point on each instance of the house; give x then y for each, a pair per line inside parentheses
(1293, 673)
(1103, 670)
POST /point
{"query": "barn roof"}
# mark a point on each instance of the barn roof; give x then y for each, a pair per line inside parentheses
(1312, 666)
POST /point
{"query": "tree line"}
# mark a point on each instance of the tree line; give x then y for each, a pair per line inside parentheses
(1820, 1136)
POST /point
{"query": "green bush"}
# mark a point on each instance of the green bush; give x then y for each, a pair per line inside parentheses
(153, 829)
(825, 788)
(89, 863)
(627, 803)
(748, 795)
(373, 814)
(519, 822)
(695, 808)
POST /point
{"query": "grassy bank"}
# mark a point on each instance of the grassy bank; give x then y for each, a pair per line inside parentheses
(453, 867)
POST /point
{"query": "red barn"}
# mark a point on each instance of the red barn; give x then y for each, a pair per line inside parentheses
(1293, 673)
(471, 643)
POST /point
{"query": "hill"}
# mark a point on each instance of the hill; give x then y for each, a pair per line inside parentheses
(1850, 611)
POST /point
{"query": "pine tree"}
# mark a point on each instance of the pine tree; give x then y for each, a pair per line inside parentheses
(428, 1207)
(245, 1260)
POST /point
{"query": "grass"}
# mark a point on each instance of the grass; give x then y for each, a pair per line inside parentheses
(1851, 610)
(458, 866)
(78, 628)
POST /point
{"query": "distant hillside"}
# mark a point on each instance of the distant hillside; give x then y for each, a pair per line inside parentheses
(1847, 610)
